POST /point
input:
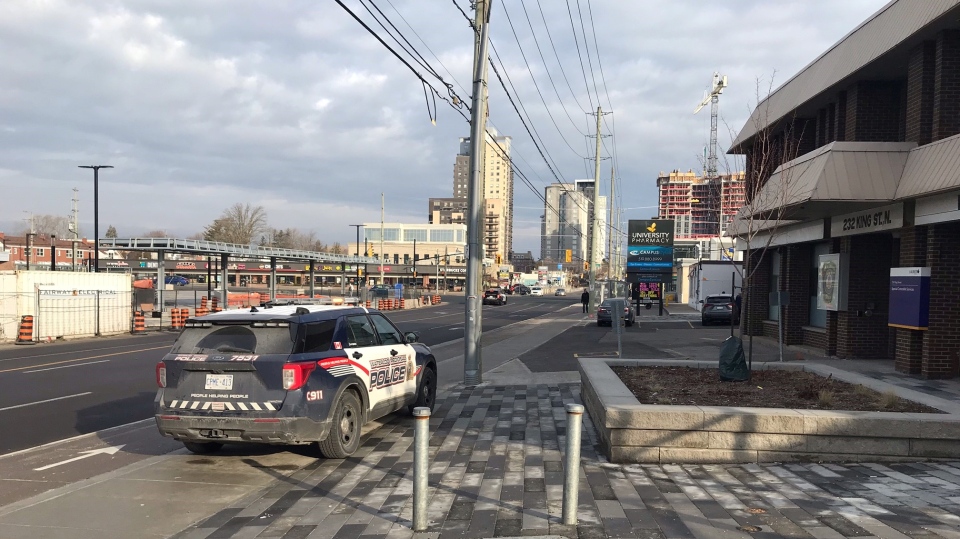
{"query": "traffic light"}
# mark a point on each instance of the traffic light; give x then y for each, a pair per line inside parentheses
(499, 259)
(586, 266)
(568, 256)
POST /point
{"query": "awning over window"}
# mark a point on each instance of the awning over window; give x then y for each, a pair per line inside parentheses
(837, 178)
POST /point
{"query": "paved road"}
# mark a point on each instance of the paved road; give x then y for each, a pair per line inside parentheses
(55, 391)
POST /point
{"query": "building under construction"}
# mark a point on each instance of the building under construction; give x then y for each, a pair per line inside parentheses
(702, 207)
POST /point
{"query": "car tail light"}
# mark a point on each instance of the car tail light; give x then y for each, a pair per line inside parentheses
(730, 306)
(707, 307)
(296, 374)
(161, 375)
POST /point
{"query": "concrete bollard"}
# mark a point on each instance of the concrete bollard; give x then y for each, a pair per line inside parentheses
(571, 469)
(421, 466)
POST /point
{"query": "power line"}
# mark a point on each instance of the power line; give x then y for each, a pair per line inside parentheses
(577, 43)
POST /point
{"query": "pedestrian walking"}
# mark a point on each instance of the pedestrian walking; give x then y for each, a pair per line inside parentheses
(585, 299)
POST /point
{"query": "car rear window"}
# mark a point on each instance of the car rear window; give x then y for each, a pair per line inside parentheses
(719, 299)
(236, 338)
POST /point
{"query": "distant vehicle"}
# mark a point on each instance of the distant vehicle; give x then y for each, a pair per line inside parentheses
(289, 375)
(176, 280)
(381, 291)
(494, 296)
(717, 308)
(536, 291)
(560, 292)
(605, 313)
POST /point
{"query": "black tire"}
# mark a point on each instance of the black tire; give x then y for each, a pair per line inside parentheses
(202, 448)
(629, 323)
(704, 322)
(427, 391)
(347, 422)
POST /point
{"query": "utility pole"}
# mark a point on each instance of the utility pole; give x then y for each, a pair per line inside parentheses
(610, 230)
(75, 228)
(381, 239)
(595, 224)
(472, 360)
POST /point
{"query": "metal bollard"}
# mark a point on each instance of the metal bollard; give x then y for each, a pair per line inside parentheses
(421, 466)
(571, 469)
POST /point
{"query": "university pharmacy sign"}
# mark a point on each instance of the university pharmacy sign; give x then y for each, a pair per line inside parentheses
(650, 250)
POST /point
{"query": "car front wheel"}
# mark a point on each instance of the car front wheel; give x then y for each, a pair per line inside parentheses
(344, 436)
(427, 392)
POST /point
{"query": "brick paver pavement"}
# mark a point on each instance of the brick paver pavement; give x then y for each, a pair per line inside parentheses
(497, 470)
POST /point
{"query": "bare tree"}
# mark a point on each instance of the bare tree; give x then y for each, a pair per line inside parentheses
(338, 249)
(47, 225)
(160, 233)
(769, 190)
(240, 224)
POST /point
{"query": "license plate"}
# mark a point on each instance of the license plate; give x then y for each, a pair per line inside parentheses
(219, 381)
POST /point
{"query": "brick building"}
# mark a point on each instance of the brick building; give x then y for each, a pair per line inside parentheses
(852, 170)
(39, 252)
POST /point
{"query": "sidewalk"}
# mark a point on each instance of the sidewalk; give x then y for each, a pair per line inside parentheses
(497, 471)
(496, 454)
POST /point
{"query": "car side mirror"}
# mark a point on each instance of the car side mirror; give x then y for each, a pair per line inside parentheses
(701, 301)
(412, 336)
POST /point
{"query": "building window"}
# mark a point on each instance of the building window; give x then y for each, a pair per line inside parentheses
(418, 234)
(773, 312)
(396, 259)
(40, 251)
(444, 236)
(818, 318)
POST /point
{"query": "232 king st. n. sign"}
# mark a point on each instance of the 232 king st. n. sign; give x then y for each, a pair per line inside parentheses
(650, 249)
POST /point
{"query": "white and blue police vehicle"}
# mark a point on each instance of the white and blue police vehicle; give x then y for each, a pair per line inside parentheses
(296, 374)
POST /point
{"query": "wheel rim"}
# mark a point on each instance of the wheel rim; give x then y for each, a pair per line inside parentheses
(428, 392)
(348, 423)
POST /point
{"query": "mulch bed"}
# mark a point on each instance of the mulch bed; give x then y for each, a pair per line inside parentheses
(766, 389)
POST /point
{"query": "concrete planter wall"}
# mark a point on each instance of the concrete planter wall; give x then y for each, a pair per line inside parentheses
(635, 433)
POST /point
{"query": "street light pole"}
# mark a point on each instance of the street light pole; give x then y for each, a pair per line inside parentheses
(96, 213)
(358, 256)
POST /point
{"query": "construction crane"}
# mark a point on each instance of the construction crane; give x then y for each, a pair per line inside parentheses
(713, 97)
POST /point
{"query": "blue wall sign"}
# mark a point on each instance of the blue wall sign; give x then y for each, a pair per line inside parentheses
(909, 298)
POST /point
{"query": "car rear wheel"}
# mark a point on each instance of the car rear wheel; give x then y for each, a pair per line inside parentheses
(344, 436)
(427, 392)
(202, 448)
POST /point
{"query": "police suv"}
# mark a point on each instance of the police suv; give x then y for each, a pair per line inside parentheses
(294, 374)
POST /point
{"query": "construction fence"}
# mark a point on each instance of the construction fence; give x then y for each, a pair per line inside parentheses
(65, 304)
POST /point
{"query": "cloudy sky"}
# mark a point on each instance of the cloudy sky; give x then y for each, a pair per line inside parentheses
(293, 105)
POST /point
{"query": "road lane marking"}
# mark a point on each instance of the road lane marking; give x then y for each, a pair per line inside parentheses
(44, 401)
(67, 366)
(84, 454)
(73, 351)
(80, 359)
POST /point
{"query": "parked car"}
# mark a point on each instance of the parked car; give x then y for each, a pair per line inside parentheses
(717, 309)
(176, 280)
(560, 292)
(494, 296)
(381, 291)
(536, 291)
(605, 312)
(289, 375)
